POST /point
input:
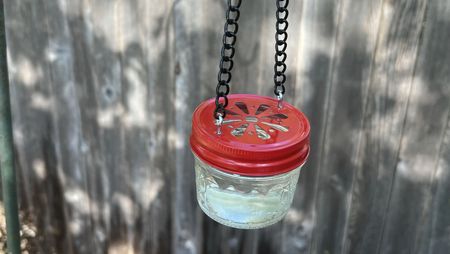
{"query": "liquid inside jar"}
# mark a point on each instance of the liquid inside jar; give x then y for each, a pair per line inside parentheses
(241, 201)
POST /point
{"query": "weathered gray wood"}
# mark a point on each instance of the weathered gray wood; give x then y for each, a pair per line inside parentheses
(437, 237)
(60, 144)
(31, 122)
(349, 74)
(433, 235)
(384, 113)
(103, 69)
(187, 217)
(422, 140)
(103, 91)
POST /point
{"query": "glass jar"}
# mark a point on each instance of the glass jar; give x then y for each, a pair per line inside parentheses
(244, 202)
(247, 168)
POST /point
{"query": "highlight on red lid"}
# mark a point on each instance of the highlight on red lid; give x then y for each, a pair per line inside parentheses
(257, 137)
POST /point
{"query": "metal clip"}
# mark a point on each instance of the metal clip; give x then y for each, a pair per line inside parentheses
(218, 123)
(280, 100)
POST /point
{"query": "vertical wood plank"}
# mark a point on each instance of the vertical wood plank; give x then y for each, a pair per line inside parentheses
(384, 113)
(433, 235)
(97, 66)
(89, 198)
(32, 127)
(437, 237)
(132, 131)
(66, 122)
(422, 141)
(355, 42)
(161, 84)
(187, 218)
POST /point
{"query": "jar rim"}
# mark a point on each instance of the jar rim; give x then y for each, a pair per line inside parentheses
(246, 177)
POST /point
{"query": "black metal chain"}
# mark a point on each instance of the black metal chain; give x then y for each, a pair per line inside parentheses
(226, 62)
(280, 47)
(229, 40)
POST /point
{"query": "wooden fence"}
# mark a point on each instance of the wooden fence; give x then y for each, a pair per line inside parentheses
(103, 90)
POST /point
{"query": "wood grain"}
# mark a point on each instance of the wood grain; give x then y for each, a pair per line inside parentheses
(385, 109)
(102, 94)
(354, 45)
(433, 235)
(425, 126)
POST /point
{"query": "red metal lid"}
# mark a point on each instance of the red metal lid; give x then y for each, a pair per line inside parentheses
(257, 138)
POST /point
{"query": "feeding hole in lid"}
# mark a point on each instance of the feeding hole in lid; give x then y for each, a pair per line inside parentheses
(262, 108)
(239, 131)
(277, 116)
(251, 119)
(262, 134)
(242, 106)
(276, 126)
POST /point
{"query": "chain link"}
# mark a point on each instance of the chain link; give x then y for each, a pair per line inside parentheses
(228, 50)
(280, 47)
(226, 62)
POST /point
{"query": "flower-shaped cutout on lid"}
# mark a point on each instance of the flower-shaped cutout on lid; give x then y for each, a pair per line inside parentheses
(262, 121)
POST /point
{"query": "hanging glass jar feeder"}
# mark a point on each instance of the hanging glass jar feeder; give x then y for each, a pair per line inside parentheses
(248, 149)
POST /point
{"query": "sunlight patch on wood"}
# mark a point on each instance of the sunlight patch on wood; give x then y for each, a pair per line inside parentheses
(26, 72)
(443, 170)
(175, 139)
(417, 170)
(106, 117)
(39, 101)
(121, 248)
(136, 115)
(39, 169)
(127, 207)
(294, 216)
(81, 202)
(147, 190)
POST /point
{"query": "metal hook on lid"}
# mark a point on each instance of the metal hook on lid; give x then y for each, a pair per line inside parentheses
(280, 100)
(218, 123)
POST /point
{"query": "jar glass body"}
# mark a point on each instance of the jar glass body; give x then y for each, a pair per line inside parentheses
(241, 201)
